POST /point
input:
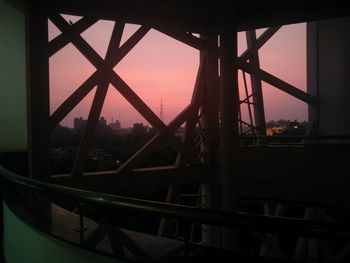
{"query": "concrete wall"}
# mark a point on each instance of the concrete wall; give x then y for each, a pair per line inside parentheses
(329, 74)
(13, 122)
(303, 174)
(23, 243)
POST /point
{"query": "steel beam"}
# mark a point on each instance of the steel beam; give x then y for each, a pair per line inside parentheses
(186, 38)
(84, 47)
(159, 138)
(89, 130)
(97, 104)
(130, 44)
(248, 103)
(137, 102)
(73, 100)
(190, 126)
(63, 39)
(211, 189)
(229, 136)
(174, 190)
(258, 100)
(91, 82)
(277, 82)
(251, 51)
(38, 92)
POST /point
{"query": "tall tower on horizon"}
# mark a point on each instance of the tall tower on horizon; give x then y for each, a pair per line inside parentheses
(161, 113)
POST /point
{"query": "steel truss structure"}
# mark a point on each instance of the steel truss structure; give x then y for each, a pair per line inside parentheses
(197, 114)
(206, 156)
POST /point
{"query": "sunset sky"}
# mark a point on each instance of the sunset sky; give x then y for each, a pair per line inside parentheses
(161, 68)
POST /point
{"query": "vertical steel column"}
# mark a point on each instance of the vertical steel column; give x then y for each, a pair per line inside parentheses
(38, 91)
(211, 191)
(312, 75)
(211, 100)
(259, 111)
(229, 136)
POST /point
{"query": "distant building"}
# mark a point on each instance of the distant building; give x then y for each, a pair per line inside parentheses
(115, 126)
(80, 123)
(125, 131)
(102, 122)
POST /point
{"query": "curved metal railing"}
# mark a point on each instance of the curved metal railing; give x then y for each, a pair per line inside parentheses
(199, 215)
(297, 140)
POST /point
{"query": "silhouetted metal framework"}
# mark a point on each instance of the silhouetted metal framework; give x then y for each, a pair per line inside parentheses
(208, 152)
(105, 75)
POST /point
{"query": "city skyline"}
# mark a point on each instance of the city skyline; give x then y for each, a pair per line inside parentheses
(79, 122)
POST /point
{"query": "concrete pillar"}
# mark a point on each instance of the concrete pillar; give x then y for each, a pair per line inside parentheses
(13, 121)
(328, 66)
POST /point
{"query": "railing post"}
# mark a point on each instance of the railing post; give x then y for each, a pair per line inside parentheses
(81, 228)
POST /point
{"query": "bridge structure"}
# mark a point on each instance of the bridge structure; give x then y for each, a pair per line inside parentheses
(224, 175)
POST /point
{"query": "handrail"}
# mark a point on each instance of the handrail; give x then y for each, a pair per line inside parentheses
(257, 199)
(341, 136)
(296, 137)
(199, 215)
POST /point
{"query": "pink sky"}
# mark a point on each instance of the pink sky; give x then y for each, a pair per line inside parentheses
(161, 68)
